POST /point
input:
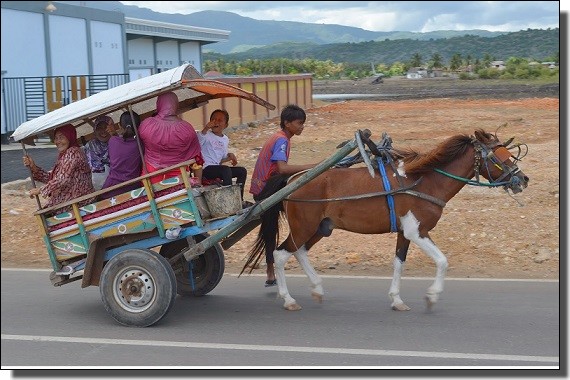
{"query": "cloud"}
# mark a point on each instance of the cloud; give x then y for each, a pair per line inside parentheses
(412, 16)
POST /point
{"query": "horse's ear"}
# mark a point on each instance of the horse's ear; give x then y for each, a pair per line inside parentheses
(478, 135)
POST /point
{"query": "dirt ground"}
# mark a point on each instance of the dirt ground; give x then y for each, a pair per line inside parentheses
(483, 232)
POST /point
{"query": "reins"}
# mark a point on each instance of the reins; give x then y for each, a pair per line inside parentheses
(383, 153)
(481, 153)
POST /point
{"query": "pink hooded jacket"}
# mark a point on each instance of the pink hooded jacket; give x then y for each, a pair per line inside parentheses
(167, 139)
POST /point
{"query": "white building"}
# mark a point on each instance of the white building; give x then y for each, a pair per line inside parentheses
(84, 47)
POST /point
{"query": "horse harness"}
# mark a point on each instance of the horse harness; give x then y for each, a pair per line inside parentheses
(497, 155)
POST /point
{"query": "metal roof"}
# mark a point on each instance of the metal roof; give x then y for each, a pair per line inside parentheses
(152, 28)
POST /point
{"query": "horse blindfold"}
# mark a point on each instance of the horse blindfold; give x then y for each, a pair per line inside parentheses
(501, 153)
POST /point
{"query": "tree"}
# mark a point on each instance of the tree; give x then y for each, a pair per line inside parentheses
(416, 60)
(487, 59)
(437, 61)
(455, 62)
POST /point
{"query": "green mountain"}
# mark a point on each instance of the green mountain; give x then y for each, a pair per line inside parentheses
(536, 44)
(248, 33)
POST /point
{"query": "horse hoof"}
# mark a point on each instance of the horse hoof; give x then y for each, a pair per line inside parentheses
(401, 307)
(317, 297)
(293, 307)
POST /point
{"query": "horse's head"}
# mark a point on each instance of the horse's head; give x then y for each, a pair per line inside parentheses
(495, 161)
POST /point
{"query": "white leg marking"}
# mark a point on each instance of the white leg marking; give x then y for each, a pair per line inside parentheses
(281, 256)
(397, 303)
(316, 281)
(411, 232)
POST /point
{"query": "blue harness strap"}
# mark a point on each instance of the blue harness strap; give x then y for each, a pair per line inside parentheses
(389, 197)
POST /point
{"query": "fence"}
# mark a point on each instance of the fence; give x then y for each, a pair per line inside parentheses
(29, 97)
(26, 98)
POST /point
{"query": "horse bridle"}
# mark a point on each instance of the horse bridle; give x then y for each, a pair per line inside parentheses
(496, 154)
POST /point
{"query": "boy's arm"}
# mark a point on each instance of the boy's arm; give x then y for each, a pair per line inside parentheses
(230, 157)
(284, 168)
(206, 127)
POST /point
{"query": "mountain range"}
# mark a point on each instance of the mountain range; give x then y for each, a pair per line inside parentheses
(247, 33)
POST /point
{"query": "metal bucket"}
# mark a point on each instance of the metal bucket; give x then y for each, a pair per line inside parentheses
(223, 201)
(201, 203)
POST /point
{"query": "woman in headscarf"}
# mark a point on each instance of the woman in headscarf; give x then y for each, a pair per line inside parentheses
(70, 178)
(169, 140)
(97, 150)
(126, 162)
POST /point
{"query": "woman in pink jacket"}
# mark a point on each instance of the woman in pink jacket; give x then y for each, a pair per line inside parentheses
(169, 140)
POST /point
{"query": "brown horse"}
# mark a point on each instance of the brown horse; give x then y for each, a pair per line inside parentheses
(406, 197)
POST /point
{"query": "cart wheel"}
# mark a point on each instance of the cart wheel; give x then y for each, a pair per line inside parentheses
(137, 287)
(207, 269)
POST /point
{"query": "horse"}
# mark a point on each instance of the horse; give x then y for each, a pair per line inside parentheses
(407, 198)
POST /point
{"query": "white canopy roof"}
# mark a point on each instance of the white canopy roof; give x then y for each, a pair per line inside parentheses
(192, 90)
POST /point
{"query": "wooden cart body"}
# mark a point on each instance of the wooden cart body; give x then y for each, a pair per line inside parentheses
(145, 246)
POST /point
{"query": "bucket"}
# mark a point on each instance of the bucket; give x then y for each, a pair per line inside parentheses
(223, 201)
(201, 203)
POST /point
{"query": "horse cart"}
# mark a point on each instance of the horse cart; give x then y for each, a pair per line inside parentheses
(145, 246)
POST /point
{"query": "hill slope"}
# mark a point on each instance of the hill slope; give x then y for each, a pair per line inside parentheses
(247, 33)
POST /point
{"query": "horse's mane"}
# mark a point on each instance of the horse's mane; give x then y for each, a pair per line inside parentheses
(444, 153)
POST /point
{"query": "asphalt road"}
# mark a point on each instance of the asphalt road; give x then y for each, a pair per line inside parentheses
(12, 167)
(477, 323)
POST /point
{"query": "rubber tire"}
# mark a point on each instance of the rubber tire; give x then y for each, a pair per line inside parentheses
(142, 267)
(207, 269)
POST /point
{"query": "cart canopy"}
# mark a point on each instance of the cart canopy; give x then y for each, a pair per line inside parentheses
(192, 89)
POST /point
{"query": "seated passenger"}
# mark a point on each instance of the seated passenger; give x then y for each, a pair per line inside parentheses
(70, 177)
(214, 145)
(124, 156)
(169, 140)
(97, 150)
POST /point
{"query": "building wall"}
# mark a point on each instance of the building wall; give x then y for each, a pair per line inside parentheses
(167, 55)
(191, 52)
(141, 53)
(24, 52)
(107, 48)
(63, 33)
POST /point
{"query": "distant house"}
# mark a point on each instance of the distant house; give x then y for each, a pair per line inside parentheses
(499, 65)
(550, 65)
(213, 74)
(437, 73)
(417, 73)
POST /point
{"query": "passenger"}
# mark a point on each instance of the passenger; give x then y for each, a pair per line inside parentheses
(97, 150)
(124, 156)
(169, 140)
(70, 178)
(273, 159)
(214, 145)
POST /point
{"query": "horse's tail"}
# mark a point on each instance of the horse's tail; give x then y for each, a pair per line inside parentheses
(268, 234)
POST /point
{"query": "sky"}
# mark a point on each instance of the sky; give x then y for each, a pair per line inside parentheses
(386, 16)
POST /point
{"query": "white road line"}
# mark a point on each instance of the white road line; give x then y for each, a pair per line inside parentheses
(348, 277)
(319, 350)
